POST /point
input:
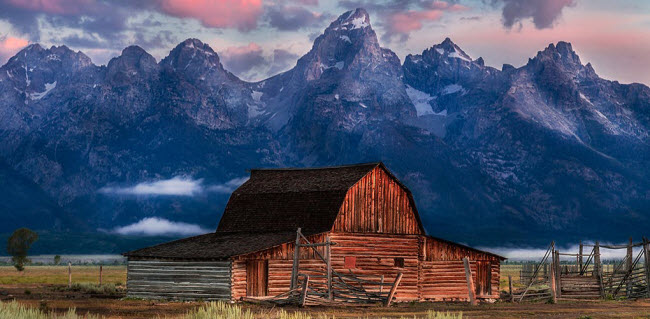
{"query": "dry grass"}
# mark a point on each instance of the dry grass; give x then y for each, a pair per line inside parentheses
(15, 310)
(58, 275)
(222, 310)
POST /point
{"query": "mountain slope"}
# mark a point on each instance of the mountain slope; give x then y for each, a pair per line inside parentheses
(546, 151)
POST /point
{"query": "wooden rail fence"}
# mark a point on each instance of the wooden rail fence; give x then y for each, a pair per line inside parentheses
(584, 277)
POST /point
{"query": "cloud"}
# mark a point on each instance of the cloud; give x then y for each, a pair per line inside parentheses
(176, 186)
(291, 18)
(9, 46)
(154, 226)
(68, 7)
(240, 14)
(242, 60)
(229, 186)
(405, 22)
(543, 13)
(282, 61)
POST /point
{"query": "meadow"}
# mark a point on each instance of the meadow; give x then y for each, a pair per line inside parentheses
(41, 292)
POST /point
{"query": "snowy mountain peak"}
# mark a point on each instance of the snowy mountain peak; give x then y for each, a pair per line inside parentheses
(449, 49)
(353, 19)
(133, 63)
(192, 54)
(561, 53)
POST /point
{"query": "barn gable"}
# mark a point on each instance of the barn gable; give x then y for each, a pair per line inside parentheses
(379, 203)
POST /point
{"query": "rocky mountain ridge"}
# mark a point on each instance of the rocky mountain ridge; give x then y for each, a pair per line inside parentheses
(548, 147)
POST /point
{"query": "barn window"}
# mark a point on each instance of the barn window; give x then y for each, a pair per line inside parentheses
(399, 262)
(350, 262)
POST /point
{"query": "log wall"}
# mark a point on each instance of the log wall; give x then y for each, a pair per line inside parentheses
(375, 256)
(180, 280)
(377, 204)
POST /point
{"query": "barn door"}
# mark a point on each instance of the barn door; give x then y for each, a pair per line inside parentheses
(483, 278)
(257, 278)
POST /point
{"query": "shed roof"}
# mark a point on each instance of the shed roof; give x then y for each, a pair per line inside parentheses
(215, 246)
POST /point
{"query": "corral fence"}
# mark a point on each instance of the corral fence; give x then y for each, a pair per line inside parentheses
(584, 275)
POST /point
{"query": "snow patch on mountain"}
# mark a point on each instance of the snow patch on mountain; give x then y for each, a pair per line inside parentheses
(39, 95)
(453, 88)
(420, 100)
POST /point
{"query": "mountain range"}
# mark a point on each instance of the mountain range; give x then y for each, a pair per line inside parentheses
(510, 156)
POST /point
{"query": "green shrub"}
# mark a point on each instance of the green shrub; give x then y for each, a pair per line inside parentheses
(106, 289)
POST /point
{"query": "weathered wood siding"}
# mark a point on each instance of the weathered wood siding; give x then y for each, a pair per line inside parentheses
(375, 256)
(440, 250)
(377, 204)
(182, 280)
(446, 281)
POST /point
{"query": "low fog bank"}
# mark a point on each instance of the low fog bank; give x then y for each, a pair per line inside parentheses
(536, 254)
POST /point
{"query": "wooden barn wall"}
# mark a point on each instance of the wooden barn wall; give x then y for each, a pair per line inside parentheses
(446, 281)
(440, 250)
(375, 256)
(280, 264)
(377, 204)
(433, 269)
(181, 280)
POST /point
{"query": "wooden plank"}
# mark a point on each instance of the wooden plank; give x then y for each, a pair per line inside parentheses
(303, 293)
(470, 282)
(296, 260)
(393, 289)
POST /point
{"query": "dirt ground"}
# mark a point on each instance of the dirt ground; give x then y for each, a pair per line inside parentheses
(55, 297)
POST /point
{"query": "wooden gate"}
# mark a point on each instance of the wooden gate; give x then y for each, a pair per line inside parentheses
(483, 278)
(257, 278)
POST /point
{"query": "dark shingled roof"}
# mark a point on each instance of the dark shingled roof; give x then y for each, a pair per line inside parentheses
(285, 199)
(215, 246)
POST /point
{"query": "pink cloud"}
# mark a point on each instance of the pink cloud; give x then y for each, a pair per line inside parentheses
(67, 7)
(404, 22)
(444, 5)
(240, 14)
(9, 46)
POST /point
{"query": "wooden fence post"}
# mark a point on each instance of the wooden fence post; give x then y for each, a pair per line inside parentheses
(328, 258)
(552, 280)
(512, 297)
(598, 268)
(381, 287)
(393, 289)
(296, 261)
(580, 258)
(69, 274)
(629, 256)
(100, 275)
(303, 294)
(646, 265)
(470, 282)
(558, 275)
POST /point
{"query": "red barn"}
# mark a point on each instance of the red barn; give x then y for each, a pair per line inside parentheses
(369, 215)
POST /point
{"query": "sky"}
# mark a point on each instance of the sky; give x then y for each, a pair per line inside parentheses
(257, 38)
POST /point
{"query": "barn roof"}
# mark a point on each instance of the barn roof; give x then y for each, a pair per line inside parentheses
(288, 198)
(215, 246)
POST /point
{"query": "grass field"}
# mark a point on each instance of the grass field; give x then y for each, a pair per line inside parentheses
(45, 288)
(58, 275)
